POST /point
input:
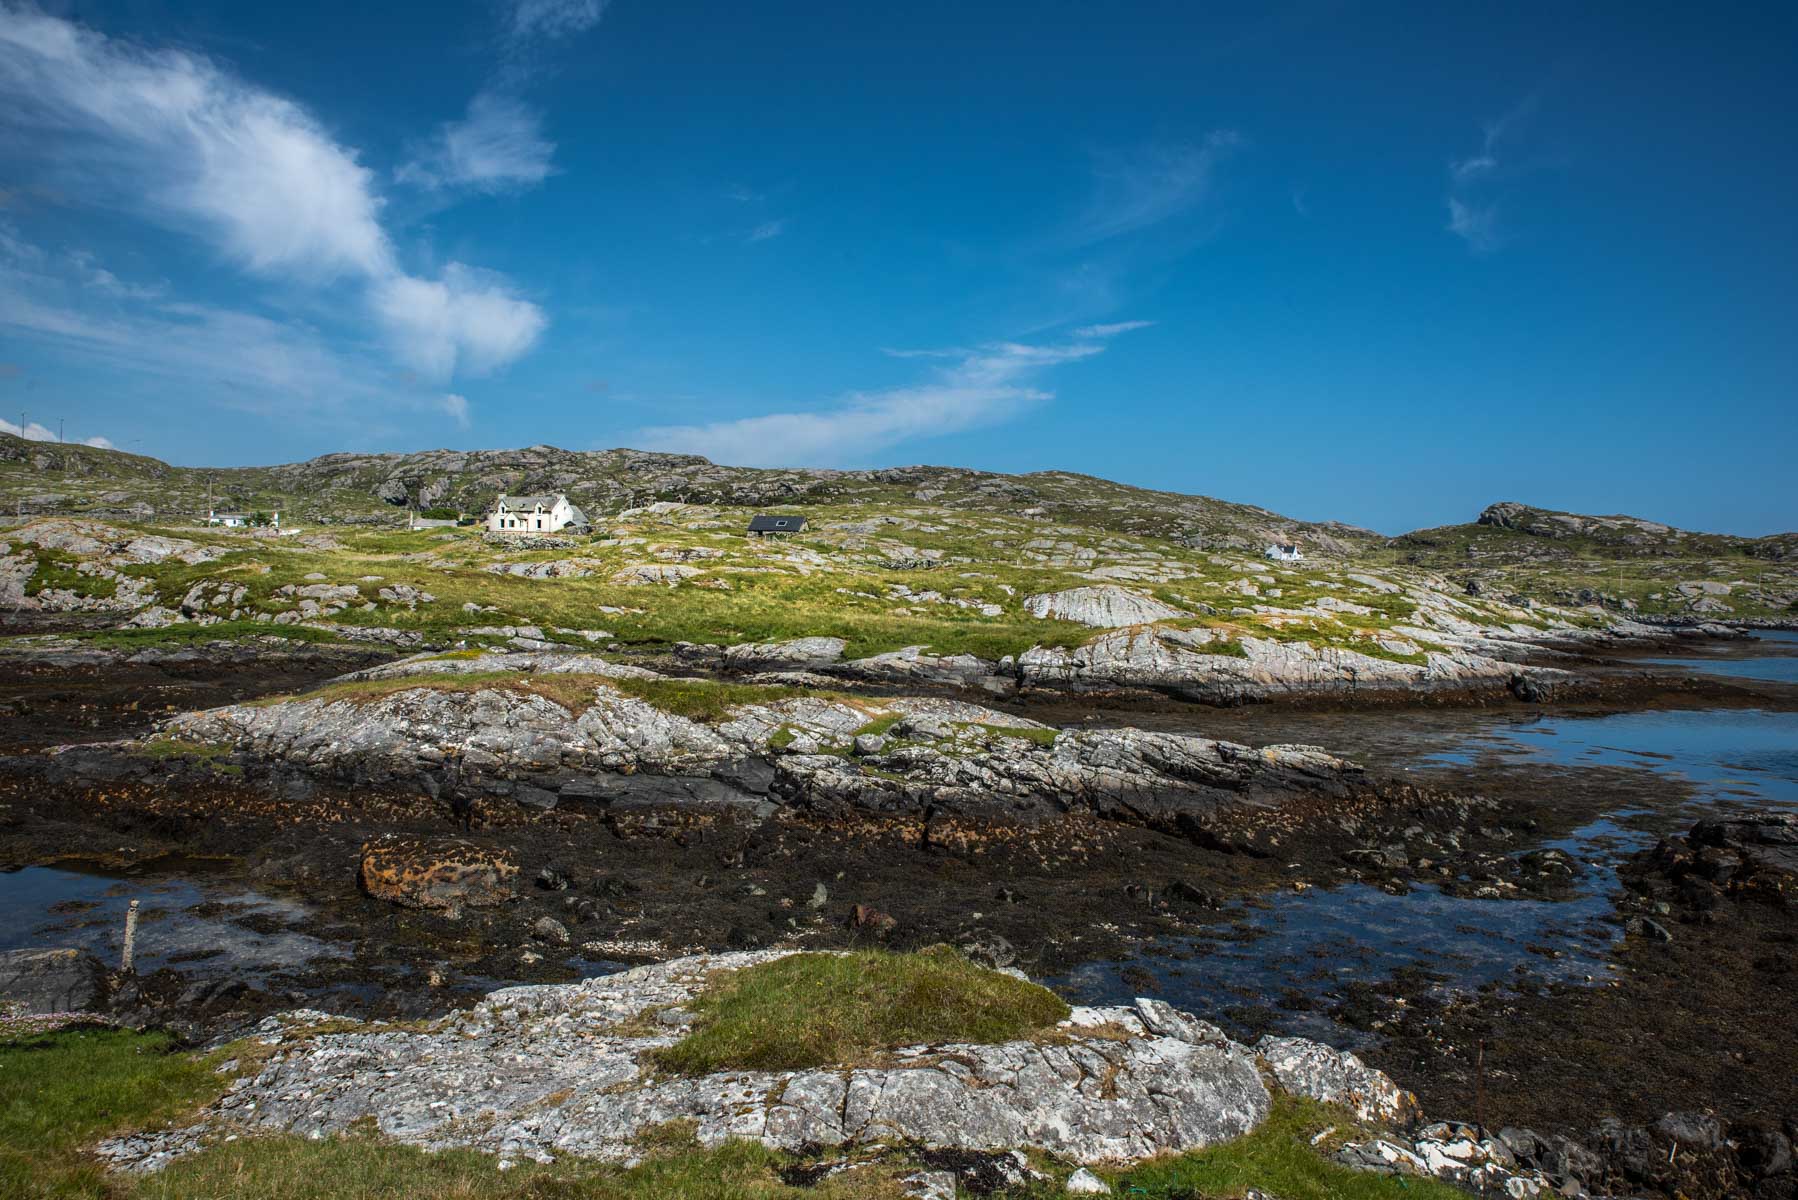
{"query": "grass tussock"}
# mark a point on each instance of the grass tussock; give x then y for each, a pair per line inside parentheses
(1279, 1159)
(810, 1010)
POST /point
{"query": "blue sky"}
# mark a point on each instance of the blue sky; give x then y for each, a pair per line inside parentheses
(1378, 263)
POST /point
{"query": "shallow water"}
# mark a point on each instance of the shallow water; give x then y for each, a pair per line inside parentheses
(1772, 656)
(1314, 942)
(184, 921)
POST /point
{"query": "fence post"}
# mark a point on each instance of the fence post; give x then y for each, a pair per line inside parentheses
(130, 937)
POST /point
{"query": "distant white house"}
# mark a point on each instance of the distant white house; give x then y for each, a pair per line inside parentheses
(238, 520)
(1281, 552)
(533, 514)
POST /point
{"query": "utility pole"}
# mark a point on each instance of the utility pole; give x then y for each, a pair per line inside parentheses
(60, 423)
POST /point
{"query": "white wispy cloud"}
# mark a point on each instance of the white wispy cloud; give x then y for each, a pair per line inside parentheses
(977, 387)
(531, 20)
(174, 136)
(1474, 182)
(465, 321)
(1148, 186)
(456, 407)
(766, 230)
(233, 358)
(1474, 223)
(1111, 330)
(498, 146)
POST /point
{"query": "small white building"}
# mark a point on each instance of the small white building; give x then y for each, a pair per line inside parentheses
(1281, 552)
(239, 520)
(533, 514)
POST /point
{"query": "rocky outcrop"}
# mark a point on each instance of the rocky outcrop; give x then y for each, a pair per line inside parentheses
(1752, 856)
(1306, 1068)
(51, 981)
(1104, 606)
(440, 873)
(810, 752)
(561, 1071)
(1207, 665)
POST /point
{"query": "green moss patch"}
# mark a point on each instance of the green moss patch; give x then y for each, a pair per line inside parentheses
(812, 1010)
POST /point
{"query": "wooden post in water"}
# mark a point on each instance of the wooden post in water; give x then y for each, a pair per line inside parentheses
(1479, 1090)
(130, 938)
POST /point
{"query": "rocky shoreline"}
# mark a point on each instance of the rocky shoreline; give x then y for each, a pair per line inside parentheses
(800, 814)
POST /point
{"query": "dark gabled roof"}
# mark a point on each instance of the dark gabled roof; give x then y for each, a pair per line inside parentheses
(521, 503)
(764, 523)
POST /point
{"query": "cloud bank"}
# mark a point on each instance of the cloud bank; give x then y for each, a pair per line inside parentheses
(175, 136)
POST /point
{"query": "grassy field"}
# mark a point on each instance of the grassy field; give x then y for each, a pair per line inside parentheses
(62, 1092)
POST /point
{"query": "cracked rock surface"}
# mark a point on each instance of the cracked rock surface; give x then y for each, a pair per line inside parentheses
(537, 1072)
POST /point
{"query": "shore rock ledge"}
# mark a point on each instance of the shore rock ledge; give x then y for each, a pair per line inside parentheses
(537, 1072)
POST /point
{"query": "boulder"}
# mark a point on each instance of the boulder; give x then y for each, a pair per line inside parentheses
(437, 873)
(51, 981)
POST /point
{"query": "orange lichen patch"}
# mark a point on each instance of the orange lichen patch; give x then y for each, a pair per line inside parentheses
(443, 873)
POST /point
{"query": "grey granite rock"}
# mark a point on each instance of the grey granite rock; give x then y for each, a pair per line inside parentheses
(536, 1072)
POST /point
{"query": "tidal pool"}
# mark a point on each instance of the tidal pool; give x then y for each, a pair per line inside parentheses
(1312, 943)
(184, 921)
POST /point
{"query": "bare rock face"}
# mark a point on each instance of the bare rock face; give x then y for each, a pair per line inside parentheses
(1200, 664)
(441, 873)
(544, 1071)
(1307, 1068)
(620, 750)
(1104, 606)
(51, 981)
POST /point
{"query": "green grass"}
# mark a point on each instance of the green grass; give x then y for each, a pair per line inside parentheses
(708, 702)
(60, 1092)
(1277, 1158)
(1042, 737)
(810, 1010)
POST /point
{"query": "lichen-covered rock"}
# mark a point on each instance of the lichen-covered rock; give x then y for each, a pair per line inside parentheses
(615, 749)
(1209, 665)
(1307, 1068)
(440, 873)
(556, 1070)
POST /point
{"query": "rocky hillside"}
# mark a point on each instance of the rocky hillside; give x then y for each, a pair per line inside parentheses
(1625, 564)
(43, 478)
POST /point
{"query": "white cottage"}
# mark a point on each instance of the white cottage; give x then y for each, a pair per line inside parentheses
(1281, 552)
(533, 514)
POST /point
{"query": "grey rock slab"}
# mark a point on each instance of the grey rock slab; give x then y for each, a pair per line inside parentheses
(51, 981)
(1105, 606)
(539, 1071)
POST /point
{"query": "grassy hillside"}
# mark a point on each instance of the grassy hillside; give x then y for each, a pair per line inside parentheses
(930, 556)
(42, 478)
